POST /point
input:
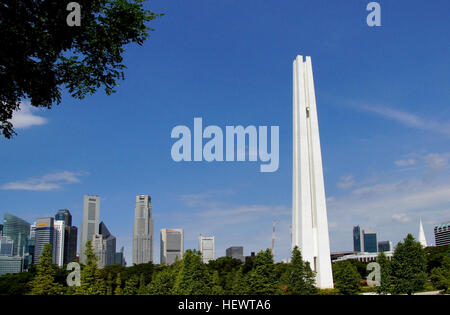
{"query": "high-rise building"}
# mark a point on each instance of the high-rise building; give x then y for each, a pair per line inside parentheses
(236, 252)
(385, 246)
(59, 246)
(64, 215)
(12, 264)
(143, 230)
(370, 242)
(206, 247)
(358, 239)
(172, 245)
(120, 258)
(16, 229)
(364, 240)
(1, 229)
(6, 246)
(44, 234)
(90, 224)
(309, 209)
(104, 246)
(70, 236)
(442, 234)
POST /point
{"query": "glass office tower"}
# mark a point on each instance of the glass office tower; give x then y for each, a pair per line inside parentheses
(17, 230)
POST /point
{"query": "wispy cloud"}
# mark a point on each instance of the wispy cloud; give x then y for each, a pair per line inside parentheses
(46, 182)
(346, 182)
(410, 120)
(406, 162)
(26, 117)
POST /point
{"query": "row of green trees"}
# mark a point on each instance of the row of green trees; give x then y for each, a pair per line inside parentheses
(405, 273)
(411, 269)
(188, 276)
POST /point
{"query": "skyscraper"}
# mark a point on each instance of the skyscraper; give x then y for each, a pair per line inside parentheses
(6, 246)
(206, 247)
(120, 258)
(442, 234)
(17, 230)
(104, 246)
(143, 230)
(70, 235)
(370, 242)
(172, 245)
(309, 209)
(364, 240)
(44, 234)
(59, 246)
(358, 239)
(90, 224)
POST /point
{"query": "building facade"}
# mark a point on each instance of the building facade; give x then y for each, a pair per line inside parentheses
(172, 245)
(143, 230)
(442, 234)
(60, 229)
(10, 265)
(70, 236)
(6, 246)
(236, 252)
(358, 239)
(385, 246)
(44, 234)
(206, 248)
(90, 223)
(370, 242)
(104, 245)
(17, 230)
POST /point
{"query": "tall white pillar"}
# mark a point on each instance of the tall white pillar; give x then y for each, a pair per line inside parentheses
(309, 209)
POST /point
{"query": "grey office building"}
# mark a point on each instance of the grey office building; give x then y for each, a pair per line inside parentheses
(236, 252)
(442, 234)
(44, 234)
(172, 245)
(143, 230)
(90, 224)
(104, 245)
(17, 230)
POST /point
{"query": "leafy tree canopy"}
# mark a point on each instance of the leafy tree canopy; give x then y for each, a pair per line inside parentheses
(40, 54)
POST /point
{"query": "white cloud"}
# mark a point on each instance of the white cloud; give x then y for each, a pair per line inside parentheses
(346, 182)
(401, 217)
(46, 182)
(410, 120)
(436, 161)
(407, 162)
(25, 117)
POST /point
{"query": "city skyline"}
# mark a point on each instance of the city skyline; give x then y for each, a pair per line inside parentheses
(384, 121)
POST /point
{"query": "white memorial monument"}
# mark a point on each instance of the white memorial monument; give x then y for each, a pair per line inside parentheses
(309, 209)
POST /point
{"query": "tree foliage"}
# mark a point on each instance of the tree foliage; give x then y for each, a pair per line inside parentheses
(346, 277)
(193, 277)
(408, 266)
(299, 277)
(40, 54)
(92, 283)
(44, 281)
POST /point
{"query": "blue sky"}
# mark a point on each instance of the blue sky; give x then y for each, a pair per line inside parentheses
(382, 96)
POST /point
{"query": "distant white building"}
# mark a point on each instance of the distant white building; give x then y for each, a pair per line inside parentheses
(422, 240)
(206, 247)
(364, 257)
(60, 227)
